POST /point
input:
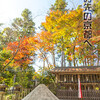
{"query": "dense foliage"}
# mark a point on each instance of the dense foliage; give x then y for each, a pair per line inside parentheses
(60, 43)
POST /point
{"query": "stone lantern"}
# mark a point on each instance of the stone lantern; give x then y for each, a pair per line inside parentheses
(2, 91)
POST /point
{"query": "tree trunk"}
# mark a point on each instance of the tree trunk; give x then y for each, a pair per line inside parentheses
(62, 53)
(62, 59)
(85, 61)
(53, 56)
(74, 56)
(98, 58)
(44, 63)
(70, 63)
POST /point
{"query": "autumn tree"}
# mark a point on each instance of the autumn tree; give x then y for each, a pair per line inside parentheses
(66, 28)
(65, 31)
(21, 27)
(23, 49)
(19, 66)
(45, 46)
(60, 5)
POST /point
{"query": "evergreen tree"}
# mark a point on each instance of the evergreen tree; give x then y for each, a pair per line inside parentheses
(59, 5)
(24, 25)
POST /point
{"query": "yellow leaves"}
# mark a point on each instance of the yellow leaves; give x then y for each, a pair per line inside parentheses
(34, 77)
(60, 22)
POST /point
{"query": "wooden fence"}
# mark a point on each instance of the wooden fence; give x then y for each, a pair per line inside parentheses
(15, 95)
(73, 94)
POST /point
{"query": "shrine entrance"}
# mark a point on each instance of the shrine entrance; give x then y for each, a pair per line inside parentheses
(67, 77)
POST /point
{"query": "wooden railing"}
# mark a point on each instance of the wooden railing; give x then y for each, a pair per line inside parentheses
(16, 95)
(73, 94)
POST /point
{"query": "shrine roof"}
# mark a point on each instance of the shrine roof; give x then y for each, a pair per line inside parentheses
(80, 69)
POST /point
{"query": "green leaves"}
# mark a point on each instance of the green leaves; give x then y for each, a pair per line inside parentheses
(5, 54)
(96, 7)
(59, 5)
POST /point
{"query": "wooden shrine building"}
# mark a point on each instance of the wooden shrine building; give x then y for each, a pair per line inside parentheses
(68, 77)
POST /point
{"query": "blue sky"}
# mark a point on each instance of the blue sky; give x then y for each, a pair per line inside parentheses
(10, 9)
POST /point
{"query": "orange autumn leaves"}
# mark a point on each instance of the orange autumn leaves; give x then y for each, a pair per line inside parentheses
(23, 49)
(26, 47)
(55, 25)
(45, 41)
(67, 24)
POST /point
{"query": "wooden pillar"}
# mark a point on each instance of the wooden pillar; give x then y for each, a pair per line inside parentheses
(84, 87)
(72, 78)
(93, 87)
(76, 78)
(16, 96)
(74, 87)
(13, 97)
(78, 83)
(7, 98)
(64, 78)
(94, 78)
(79, 76)
(2, 94)
(67, 78)
(57, 79)
(91, 78)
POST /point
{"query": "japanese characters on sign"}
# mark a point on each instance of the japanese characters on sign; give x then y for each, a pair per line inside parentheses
(87, 20)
